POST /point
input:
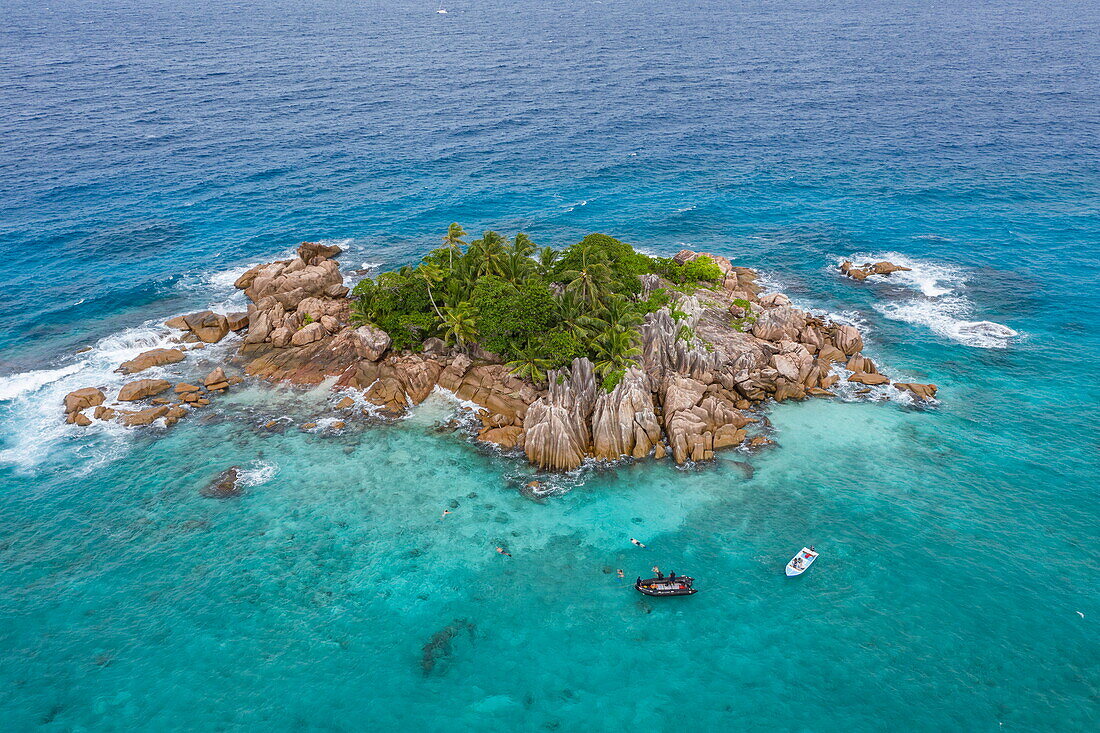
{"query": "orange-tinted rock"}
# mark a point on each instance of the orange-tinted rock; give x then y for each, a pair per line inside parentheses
(104, 413)
(237, 321)
(869, 379)
(78, 418)
(142, 417)
(151, 358)
(83, 398)
(507, 437)
(207, 326)
(216, 380)
(924, 391)
(142, 388)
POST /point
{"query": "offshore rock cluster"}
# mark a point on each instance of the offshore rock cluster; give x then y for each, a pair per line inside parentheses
(684, 397)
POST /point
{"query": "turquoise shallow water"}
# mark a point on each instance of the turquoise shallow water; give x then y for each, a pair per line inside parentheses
(151, 152)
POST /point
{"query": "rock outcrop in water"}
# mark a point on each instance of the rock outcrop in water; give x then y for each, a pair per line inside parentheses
(686, 396)
(863, 272)
(225, 486)
(151, 358)
(703, 365)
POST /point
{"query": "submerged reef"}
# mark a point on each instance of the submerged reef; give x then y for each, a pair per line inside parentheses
(596, 351)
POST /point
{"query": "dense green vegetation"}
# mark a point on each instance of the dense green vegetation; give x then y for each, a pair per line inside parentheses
(538, 308)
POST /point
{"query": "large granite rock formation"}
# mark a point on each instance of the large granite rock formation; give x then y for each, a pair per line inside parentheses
(726, 350)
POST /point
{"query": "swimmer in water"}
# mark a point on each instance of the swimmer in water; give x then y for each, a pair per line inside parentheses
(502, 551)
(636, 542)
(445, 513)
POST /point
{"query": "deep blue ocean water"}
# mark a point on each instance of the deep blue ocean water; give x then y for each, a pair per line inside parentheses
(150, 151)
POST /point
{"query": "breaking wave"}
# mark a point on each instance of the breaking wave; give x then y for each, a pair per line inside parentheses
(933, 295)
(257, 472)
(17, 384)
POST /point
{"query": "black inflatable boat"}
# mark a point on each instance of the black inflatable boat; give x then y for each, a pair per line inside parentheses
(678, 585)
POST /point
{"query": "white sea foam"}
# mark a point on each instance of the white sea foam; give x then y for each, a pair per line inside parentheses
(16, 384)
(33, 424)
(257, 472)
(857, 392)
(938, 301)
(947, 317)
(32, 427)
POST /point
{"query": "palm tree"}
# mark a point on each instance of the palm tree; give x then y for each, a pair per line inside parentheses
(616, 350)
(515, 267)
(590, 275)
(460, 324)
(547, 257)
(523, 245)
(619, 313)
(431, 274)
(570, 306)
(528, 364)
(452, 240)
(488, 252)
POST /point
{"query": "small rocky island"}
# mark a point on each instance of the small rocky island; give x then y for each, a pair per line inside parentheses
(593, 351)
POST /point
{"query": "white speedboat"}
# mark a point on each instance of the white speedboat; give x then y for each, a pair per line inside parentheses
(800, 562)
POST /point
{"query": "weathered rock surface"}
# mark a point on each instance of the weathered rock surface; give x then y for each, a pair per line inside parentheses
(142, 417)
(308, 334)
(225, 486)
(862, 272)
(624, 422)
(216, 380)
(82, 399)
(142, 388)
(237, 321)
(78, 418)
(208, 327)
(556, 426)
(151, 358)
(869, 379)
(923, 391)
(847, 339)
(685, 396)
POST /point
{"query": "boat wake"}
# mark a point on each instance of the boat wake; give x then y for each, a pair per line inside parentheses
(933, 295)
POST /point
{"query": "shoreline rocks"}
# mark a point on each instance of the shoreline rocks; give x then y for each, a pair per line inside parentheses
(862, 272)
(151, 358)
(728, 349)
(142, 388)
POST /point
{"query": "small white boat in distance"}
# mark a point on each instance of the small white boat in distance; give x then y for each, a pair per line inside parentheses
(798, 564)
(441, 10)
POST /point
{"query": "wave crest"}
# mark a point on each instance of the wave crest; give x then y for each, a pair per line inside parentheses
(939, 301)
